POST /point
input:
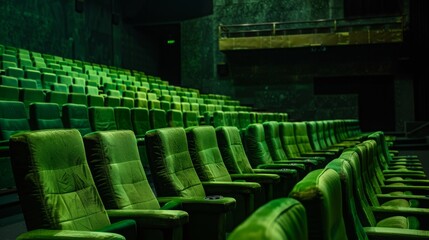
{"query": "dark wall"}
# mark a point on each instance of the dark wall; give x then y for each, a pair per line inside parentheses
(283, 79)
(55, 27)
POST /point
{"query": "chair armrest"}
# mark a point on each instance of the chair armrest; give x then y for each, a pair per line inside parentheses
(423, 200)
(221, 205)
(172, 205)
(68, 234)
(404, 175)
(413, 182)
(150, 218)
(387, 211)
(381, 233)
(281, 165)
(257, 177)
(220, 188)
(416, 190)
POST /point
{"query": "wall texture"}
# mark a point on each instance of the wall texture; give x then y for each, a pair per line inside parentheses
(283, 80)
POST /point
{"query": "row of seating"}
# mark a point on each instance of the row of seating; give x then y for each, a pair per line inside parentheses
(368, 192)
(193, 162)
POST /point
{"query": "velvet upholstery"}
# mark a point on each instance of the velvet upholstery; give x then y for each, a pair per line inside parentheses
(118, 173)
(174, 176)
(320, 193)
(55, 185)
(76, 116)
(45, 116)
(279, 219)
(236, 161)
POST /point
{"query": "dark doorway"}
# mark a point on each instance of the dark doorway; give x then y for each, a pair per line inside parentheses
(375, 94)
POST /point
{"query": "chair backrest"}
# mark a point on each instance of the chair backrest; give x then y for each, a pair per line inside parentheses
(102, 118)
(157, 118)
(288, 140)
(256, 147)
(124, 187)
(123, 118)
(279, 219)
(232, 150)
(272, 137)
(45, 116)
(54, 182)
(13, 119)
(320, 193)
(174, 118)
(190, 119)
(205, 154)
(140, 121)
(301, 136)
(76, 116)
(171, 163)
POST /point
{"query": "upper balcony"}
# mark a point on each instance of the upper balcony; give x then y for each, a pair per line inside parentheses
(326, 32)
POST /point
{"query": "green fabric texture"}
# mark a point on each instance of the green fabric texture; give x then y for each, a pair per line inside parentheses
(140, 121)
(256, 146)
(350, 213)
(301, 136)
(190, 119)
(271, 129)
(320, 193)
(157, 118)
(9, 93)
(123, 118)
(68, 235)
(76, 116)
(171, 164)
(174, 118)
(13, 119)
(287, 138)
(119, 174)
(368, 217)
(205, 154)
(54, 181)
(45, 116)
(279, 219)
(315, 139)
(102, 118)
(232, 150)
(218, 118)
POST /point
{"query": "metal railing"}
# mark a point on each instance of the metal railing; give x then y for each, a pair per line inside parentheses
(311, 27)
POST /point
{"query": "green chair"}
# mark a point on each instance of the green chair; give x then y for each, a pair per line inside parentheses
(123, 118)
(259, 154)
(157, 118)
(236, 161)
(320, 193)
(102, 118)
(118, 173)
(190, 119)
(366, 222)
(209, 165)
(45, 116)
(76, 116)
(58, 196)
(174, 118)
(272, 138)
(174, 176)
(289, 145)
(279, 219)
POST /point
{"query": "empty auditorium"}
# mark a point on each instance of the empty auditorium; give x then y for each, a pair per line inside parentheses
(214, 120)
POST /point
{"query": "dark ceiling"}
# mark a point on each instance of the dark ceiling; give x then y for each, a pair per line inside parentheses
(153, 12)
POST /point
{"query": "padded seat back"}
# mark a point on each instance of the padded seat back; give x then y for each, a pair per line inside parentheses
(271, 129)
(102, 118)
(288, 140)
(171, 164)
(205, 154)
(13, 119)
(55, 185)
(256, 147)
(232, 150)
(76, 116)
(45, 116)
(320, 193)
(279, 219)
(119, 174)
